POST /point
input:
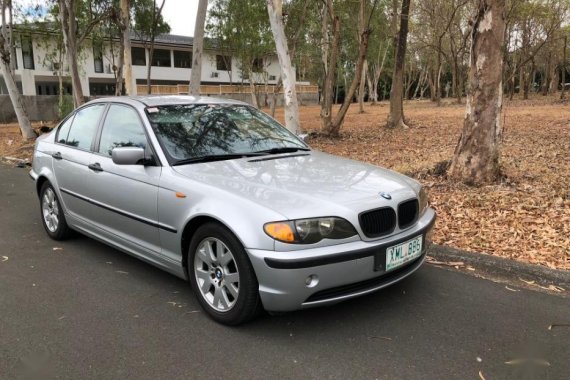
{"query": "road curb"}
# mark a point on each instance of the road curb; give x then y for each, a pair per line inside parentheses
(502, 267)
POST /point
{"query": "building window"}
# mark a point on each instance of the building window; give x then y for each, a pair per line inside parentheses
(138, 56)
(257, 65)
(27, 52)
(98, 58)
(161, 58)
(223, 62)
(183, 59)
(272, 77)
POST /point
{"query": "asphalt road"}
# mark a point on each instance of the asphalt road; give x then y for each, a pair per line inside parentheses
(81, 310)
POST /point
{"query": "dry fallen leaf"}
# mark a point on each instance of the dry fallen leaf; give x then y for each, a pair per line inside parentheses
(537, 361)
(481, 375)
(4, 258)
(379, 337)
(558, 325)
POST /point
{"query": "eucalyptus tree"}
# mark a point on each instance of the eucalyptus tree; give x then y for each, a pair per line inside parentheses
(240, 28)
(396, 115)
(440, 18)
(533, 25)
(380, 50)
(197, 48)
(125, 22)
(476, 157)
(148, 24)
(275, 11)
(78, 18)
(6, 68)
(332, 18)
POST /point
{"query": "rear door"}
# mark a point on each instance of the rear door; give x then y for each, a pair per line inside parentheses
(126, 194)
(72, 157)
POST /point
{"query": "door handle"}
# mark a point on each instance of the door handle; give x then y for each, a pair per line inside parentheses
(95, 167)
(57, 155)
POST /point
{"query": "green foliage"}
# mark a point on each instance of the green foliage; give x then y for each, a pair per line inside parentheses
(144, 13)
(65, 106)
(240, 27)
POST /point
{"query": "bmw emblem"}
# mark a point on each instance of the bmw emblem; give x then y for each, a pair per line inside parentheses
(385, 195)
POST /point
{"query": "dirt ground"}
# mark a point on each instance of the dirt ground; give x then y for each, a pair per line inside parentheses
(526, 217)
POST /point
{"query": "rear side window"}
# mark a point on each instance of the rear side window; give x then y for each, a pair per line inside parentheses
(84, 126)
(64, 130)
(122, 127)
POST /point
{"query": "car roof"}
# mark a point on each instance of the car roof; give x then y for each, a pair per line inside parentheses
(163, 100)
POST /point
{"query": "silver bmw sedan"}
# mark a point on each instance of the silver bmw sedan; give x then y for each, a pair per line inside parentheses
(217, 192)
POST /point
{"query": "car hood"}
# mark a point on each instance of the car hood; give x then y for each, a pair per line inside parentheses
(305, 184)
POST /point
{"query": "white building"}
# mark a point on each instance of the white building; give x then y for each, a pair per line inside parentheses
(38, 61)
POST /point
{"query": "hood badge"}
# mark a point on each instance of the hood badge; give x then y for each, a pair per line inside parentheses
(385, 195)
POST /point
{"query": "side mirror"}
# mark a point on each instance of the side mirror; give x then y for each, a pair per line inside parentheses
(303, 137)
(128, 155)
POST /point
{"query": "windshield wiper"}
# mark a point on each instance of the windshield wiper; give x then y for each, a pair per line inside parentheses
(289, 149)
(214, 157)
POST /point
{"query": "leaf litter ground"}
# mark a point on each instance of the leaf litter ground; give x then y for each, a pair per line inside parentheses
(526, 217)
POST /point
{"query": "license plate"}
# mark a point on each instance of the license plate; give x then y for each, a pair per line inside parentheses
(398, 255)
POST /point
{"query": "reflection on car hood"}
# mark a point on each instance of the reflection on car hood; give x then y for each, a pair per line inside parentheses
(305, 183)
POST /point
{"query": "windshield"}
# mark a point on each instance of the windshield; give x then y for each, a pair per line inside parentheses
(201, 130)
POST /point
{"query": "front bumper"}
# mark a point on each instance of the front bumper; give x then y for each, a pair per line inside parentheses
(343, 271)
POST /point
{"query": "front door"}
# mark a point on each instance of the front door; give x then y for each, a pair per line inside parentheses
(126, 194)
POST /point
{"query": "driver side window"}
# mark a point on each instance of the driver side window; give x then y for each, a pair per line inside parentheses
(122, 127)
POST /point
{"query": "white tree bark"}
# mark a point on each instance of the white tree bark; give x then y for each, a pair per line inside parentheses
(275, 10)
(130, 87)
(15, 97)
(197, 48)
(68, 26)
(477, 154)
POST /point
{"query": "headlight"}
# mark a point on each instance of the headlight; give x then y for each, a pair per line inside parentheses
(308, 231)
(423, 200)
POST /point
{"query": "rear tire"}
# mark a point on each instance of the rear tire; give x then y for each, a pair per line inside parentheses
(221, 276)
(53, 218)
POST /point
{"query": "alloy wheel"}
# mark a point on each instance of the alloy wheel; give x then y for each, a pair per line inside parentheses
(216, 274)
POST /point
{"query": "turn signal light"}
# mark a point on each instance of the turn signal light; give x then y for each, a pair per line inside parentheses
(280, 231)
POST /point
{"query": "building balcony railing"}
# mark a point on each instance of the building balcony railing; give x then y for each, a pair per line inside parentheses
(182, 89)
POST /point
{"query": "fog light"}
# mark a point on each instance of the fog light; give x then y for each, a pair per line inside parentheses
(312, 281)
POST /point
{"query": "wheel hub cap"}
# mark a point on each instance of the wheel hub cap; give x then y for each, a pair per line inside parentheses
(216, 274)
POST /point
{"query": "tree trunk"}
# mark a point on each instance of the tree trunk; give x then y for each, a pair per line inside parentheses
(361, 88)
(437, 82)
(155, 16)
(130, 87)
(274, 8)
(369, 82)
(330, 51)
(197, 48)
(332, 127)
(149, 67)
(476, 157)
(120, 65)
(5, 68)
(396, 116)
(546, 77)
(563, 92)
(68, 26)
(254, 101)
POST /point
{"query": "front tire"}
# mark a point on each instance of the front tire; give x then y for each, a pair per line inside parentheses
(221, 275)
(53, 218)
